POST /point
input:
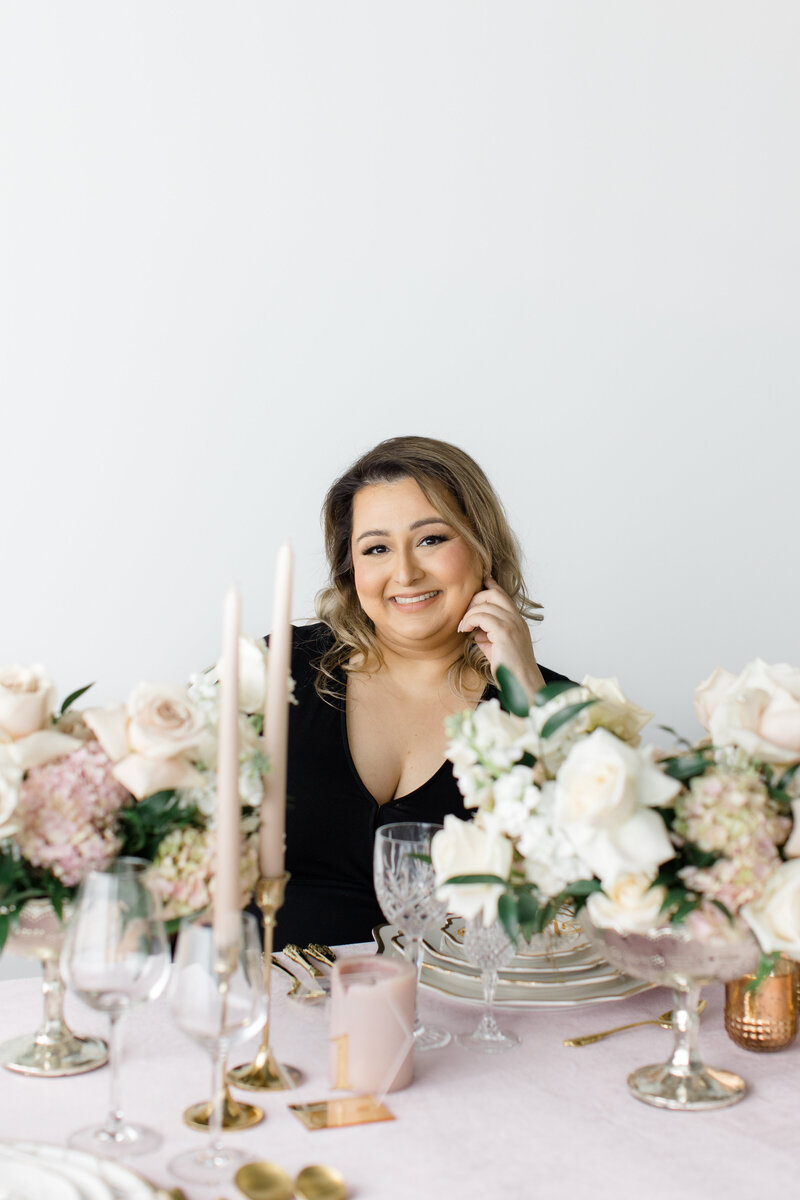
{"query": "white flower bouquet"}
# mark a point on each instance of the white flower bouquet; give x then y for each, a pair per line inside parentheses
(79, 789)
(570, 807)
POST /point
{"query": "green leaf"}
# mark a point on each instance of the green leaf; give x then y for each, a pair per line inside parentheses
(723, 909)
(513, 696)
(686, 766)
(678, 737)
(527, 909)
(73, 696)
(476, 879)
(5, 926)
(563, 715)
(766, 964)
(507, 914)
(684, 908)
(788, 775)
(582, 887)
(700, 858)
(551, 690)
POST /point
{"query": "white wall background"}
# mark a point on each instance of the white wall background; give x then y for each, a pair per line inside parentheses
(243, 240)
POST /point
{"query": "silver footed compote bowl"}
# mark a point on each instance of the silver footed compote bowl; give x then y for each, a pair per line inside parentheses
(675, 957)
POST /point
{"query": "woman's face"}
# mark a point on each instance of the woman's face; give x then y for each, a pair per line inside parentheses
(414, 574)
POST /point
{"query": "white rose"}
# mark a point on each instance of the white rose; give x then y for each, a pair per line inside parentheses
(152, 740)
(27, 698)
(470, 848)
(759, 710)
(10, 783)
(775, 917)
(500, 737)
(631, 905)
(614, 711)
(636, 846)
(603, 780)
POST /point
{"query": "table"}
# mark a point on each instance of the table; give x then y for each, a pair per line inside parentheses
(541, 1121)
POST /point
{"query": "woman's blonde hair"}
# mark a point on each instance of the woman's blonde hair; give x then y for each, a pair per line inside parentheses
(458, 487)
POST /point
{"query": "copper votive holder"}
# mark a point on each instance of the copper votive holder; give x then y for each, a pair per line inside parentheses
(763, 1018)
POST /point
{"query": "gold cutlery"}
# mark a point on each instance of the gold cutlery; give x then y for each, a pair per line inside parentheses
(322, 954)
(665, 1021)
(298, 990)
(265, 1181)
(303, 960)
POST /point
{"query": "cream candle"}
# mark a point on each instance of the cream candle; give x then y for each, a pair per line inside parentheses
(276, 720)
(227, 886)
(372, 1024)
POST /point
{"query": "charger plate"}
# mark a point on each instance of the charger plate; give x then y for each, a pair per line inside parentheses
(61, 1173)
(599, 984)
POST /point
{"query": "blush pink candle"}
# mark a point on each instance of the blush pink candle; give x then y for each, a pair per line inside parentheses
(227, 886)
(276, 720)
(372, 1024)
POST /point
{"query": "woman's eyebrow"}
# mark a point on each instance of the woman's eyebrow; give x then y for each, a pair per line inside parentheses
(415, 525)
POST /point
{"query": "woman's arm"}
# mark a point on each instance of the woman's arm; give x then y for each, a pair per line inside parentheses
(502, 634)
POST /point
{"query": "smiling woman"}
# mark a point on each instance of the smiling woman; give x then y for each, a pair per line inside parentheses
(426, 599)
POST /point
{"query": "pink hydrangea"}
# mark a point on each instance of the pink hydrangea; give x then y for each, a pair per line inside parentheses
(67, 814)
(730, 814)
(182, 874)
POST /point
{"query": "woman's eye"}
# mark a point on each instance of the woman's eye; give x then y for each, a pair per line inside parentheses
(379, 549)
(433, 539)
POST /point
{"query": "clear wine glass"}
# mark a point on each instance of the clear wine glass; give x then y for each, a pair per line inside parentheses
(115, 956)
(405, 885)
(218, 999)
(488, 947)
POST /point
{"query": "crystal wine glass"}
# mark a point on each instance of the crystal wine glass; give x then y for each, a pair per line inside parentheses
(217, 997)
(115, 956)
(405, 884)
(488, 947)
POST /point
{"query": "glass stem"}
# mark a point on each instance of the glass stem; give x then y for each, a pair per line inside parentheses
(414, 956)
(487, 1026)
(114, 1121)
(217, 1101)
(53, 1030)
(685, 1022)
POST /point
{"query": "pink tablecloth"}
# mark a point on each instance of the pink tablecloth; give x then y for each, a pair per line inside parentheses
(543, 1121)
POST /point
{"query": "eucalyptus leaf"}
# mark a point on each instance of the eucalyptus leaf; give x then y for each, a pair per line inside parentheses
(513, 696)
(73, 696)
(551, 690)
(563, 716)
(476, 879)
(507, 915)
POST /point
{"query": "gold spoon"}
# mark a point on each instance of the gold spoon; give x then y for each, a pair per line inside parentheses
(265, 1181)
(665, 1021)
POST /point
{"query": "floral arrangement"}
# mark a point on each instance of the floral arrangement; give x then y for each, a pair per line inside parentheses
(78, 789)
(570, 807)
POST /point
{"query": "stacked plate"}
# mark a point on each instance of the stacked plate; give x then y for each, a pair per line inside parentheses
(551, 975)
(36, 1170)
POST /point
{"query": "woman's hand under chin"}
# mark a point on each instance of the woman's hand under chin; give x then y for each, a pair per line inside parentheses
(502, 634)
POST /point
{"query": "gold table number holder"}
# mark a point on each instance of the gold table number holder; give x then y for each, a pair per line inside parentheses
(265, 1073)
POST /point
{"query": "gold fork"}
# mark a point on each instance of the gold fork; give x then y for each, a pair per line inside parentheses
(665, 1021)
(303, 960)
(298, 990)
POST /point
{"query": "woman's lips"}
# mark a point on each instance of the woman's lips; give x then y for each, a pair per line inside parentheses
(414, 603)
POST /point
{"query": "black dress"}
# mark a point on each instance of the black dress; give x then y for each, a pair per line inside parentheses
(331, 818)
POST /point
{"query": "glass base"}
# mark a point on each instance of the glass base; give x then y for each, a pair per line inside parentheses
(430, 1037)
(208, 1166)
(700, 1090)
(488, 1043)
(69, 1056)
(235, 1114)
(125, 1141)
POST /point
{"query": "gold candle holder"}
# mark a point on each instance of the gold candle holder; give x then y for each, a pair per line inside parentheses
(234, 1114)
(764, 1018)
(265, 1073)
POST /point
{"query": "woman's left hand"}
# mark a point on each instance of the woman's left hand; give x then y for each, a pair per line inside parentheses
(502, 635)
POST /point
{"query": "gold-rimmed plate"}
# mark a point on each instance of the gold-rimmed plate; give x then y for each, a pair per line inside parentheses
(596, 987)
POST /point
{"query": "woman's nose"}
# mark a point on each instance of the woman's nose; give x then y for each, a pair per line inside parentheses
(406, 568)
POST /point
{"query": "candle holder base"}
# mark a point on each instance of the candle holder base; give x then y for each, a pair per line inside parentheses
(265, 1074)
(235, 1115)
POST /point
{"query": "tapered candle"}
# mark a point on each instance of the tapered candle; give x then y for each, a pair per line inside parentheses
(276, 719)
(227, 886)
